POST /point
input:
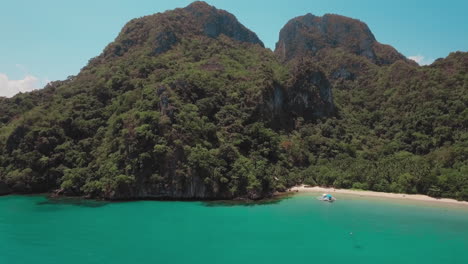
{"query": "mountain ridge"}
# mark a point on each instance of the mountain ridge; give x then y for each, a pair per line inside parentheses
(160, 32)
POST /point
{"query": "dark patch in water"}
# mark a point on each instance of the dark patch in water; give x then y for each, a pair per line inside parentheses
(356, 244)
(270, 201)
(77, 201)
(73, 201)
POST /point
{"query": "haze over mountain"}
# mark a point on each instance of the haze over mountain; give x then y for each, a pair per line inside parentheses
(189, 104)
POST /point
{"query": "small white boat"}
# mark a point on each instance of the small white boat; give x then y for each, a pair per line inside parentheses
(327, 198)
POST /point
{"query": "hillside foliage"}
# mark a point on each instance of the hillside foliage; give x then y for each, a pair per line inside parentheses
(211, 116)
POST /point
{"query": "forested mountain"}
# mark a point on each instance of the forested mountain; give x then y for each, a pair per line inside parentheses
(189, 104)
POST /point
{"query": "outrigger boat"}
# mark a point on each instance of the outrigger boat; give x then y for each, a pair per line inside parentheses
(327, 198)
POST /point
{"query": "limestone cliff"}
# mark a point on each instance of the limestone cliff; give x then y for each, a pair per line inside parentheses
(307, 35)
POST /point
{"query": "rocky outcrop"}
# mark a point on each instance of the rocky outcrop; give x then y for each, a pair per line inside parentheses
(4, 189)
(306, 35)
(307, 95)
(310, 93)
(213, 22)
(195, 188)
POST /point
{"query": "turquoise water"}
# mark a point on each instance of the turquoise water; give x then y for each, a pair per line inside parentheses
(300, 229)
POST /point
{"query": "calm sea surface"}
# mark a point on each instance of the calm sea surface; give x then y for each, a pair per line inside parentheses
(299, 229)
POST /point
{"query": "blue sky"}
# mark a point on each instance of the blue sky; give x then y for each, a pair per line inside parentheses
(52, 39)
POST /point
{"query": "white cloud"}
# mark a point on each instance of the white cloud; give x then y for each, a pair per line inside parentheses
(421, 60)
(9, 88)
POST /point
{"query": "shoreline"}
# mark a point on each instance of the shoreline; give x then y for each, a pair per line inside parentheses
(291, 191)
(363, 193)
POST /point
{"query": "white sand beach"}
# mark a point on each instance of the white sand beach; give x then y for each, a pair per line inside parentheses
(416, 197)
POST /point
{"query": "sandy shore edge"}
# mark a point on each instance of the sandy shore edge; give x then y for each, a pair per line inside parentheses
(416, 197)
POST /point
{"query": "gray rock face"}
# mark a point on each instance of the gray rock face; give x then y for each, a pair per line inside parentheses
(308, 95)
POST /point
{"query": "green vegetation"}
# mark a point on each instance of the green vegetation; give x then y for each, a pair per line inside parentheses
(399, 129)
(214, 117)
(151, 125)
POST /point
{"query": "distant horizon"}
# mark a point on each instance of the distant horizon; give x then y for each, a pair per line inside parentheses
(51, 40)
